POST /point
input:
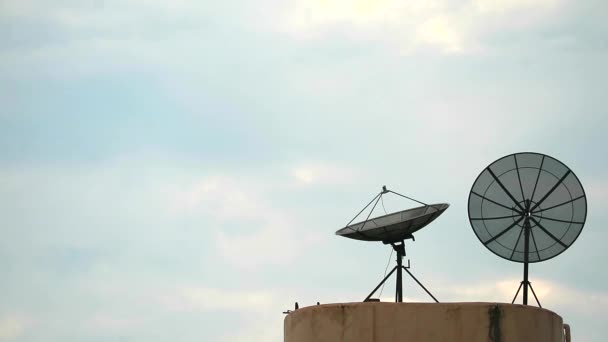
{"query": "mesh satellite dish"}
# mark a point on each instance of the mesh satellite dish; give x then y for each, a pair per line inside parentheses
(393, 229)
(527, 207)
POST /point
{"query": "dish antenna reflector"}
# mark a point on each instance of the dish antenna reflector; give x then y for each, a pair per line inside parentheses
(393, 229)
(527, 207)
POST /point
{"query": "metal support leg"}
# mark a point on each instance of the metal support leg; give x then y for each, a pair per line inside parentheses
(516, 293)
(419, 283)
(534, 293)
(382, 282)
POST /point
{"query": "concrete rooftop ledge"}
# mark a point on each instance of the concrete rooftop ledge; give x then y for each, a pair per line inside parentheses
(423, 322)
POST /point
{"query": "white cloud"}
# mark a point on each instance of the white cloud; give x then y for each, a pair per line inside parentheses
(11, 327)
(448, 27)
(268, 235)
(197, 298)
(271, 245)
(311, 13)
(264, 330)
(319, 173)
(221, 198)
(152, 35)
(261, 309)
(562, 298)
(597, 191)
(248, 226)
(440, 31)
(498, 291)
(502, 6)
(112, 322)
(83, 38)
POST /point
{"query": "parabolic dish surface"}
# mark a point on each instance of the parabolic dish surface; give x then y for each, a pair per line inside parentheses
(394, 227)
(533, 189)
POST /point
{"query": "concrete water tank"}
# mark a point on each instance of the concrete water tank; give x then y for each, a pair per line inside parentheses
(423, 322)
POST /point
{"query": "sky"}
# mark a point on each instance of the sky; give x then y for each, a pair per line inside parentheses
(176, 170)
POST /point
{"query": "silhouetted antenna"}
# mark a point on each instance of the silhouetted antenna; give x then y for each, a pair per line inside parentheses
(393, 229)
(527, 207)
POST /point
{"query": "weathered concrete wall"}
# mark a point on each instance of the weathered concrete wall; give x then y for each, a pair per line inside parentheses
(423, 322)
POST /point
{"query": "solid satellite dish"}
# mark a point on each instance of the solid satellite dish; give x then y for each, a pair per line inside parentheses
(393, 229)
(527, 207)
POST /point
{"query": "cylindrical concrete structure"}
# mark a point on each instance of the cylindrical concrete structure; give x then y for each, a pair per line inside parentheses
(423, 322)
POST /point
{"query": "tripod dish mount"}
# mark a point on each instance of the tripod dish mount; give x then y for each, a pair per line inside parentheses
(400, 249)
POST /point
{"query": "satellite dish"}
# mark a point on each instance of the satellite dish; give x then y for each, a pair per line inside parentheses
(527, 207)
(393, 229)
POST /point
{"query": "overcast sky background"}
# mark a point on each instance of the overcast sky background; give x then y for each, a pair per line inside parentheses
(176, 170)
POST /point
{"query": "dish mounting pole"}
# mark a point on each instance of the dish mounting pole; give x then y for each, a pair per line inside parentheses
(400, 249)
(526, 283)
